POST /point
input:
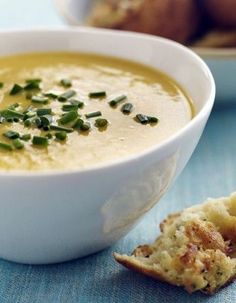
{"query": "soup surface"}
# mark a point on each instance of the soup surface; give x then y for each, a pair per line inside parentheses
(62, 137)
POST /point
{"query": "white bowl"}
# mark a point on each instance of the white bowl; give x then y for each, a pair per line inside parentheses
(58, 216)
(222, 61)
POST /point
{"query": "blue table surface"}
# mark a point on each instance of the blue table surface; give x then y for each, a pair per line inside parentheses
(97, 278)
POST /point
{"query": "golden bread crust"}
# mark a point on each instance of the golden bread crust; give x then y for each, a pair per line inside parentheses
(196, 248)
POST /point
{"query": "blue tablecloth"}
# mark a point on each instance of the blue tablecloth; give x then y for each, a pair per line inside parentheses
(97, 278)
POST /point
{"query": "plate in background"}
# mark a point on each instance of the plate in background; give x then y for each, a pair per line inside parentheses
(222, 61)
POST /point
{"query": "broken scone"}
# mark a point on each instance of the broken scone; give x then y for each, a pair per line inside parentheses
(196, 248)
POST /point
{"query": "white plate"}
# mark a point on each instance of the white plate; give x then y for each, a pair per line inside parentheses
(222, 62)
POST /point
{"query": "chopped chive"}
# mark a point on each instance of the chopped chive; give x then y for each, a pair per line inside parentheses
(31, 85)
(93, 115)
(40, 141)
(100, 122)
(16, 120)
(11, 114)
(114, 102)
(5, 146)
(69, 117)
(28, 122)
(13, 106)
(39, 99)
(69, 107)
(11, 134)
(142, 119)
(49, 136)
(67, 95)
(46, 128)
(52, 94)
(46, 120)
(16, 89)
(153, 119)
(85, 126)
(29, 114)
(44, 111)
(61, 128)
(66, 82)
(33, 80)
(99, 94)
(37, 122)
(10, 120)
(18, 144)
(78, 123)
(26, 137)
(127, 108)
(80, 104)
(1, 85)
(62, 135)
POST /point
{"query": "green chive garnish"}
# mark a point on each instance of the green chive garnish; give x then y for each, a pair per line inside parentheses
(153, 119)
(39, 99)
(85, 126)
(43, 111)
(46, 120)
(10, 120)
(49, 136)
(99, 94)
(1, 85)
(32, 85)
(142, 119)
(11, 134)
(69, 107)
(93, 115)
(61, 128)
(52, 94)
(69, 117)
(13, 106)
(127, 108)
(40, 141)
(67, 95)
(62, 135)
(80, 104)
(11, 114)
(28, 95)
(29, 114)
(26, 137)
(66, 82)
(5, 146)
(18, 144)
(101, 122)
(114, 102)
(16, 89)
(78, 123)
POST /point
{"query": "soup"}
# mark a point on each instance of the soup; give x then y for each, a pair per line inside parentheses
(66, 111)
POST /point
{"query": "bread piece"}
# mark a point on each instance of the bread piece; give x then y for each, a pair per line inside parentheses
(196, 248)
(221, 12)
(175, 19)
(217, 38)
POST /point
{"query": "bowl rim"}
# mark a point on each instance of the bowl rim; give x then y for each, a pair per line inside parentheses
(171, 140)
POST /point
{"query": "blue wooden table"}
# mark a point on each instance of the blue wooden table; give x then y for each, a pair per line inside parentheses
(211, 172)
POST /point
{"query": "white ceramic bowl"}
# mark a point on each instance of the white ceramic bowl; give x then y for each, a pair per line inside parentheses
(222, 61)
(58, 216)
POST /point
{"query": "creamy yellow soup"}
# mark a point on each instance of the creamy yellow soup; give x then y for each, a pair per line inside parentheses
(151, 93)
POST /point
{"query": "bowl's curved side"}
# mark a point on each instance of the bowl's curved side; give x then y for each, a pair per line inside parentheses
(47, 218)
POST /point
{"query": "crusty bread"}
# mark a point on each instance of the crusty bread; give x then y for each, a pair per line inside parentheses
(175, 19)
(217, 38)
(196, 248)
(222, 13)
